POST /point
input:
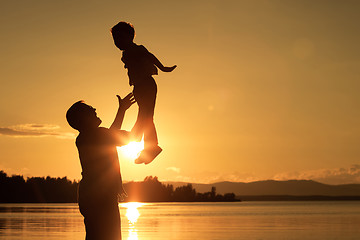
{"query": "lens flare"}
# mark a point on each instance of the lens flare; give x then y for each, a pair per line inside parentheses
(132, 150)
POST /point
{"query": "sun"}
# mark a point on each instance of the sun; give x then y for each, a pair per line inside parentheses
(132, 150)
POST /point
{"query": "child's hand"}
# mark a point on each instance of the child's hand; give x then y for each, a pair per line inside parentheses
(168, 69)
(126, 102)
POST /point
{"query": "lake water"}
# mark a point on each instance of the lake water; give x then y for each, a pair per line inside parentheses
(150, 221)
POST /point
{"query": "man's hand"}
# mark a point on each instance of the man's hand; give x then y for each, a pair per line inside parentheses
(122, 195)
(126, 102)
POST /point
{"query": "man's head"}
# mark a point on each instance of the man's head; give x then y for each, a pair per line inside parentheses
(123, 34)
(81, 116)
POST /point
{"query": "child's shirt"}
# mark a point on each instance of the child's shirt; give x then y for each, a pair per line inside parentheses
(139, 62)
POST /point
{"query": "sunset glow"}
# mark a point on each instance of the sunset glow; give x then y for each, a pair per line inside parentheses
(263, 89)
(132, 150)
(144, 120)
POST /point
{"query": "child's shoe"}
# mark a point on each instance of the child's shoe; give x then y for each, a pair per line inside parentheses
(148, 155)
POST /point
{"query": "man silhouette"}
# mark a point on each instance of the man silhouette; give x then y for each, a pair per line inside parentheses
(101, 183)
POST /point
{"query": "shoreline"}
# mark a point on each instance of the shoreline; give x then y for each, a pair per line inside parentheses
(265, 198)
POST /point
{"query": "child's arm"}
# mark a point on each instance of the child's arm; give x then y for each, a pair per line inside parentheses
(160, 66)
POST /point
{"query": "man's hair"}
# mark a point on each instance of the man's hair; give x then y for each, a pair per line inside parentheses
(75, 114)
(123, 28)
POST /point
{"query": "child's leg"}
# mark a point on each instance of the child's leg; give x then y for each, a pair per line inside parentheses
(150, 135)
(145, 96)
(138, 129)
(146, 114)
(144, 125)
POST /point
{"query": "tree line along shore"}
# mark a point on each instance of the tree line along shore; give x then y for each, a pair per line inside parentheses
(16, 189)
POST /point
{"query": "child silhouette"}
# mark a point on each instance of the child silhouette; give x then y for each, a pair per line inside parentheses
(141, 65)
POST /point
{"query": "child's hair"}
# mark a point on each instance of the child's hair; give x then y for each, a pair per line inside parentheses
(75, 114)
(123, 28)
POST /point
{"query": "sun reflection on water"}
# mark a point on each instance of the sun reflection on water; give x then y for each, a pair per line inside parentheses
(132, 234)
(132, 214)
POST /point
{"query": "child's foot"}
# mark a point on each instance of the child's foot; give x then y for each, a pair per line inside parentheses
(148, 155)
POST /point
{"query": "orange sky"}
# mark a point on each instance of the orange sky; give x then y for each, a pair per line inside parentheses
(263, 89)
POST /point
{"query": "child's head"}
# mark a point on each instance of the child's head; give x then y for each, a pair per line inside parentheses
(81, 116)
(123, 34)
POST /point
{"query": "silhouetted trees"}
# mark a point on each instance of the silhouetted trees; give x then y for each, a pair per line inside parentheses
(16, 189)
(185, 194)
(152, 190)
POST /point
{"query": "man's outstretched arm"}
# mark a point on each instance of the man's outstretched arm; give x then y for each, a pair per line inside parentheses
(124, 104)
(121, 137)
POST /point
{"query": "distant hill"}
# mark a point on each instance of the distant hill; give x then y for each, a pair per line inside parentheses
(271, 187)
